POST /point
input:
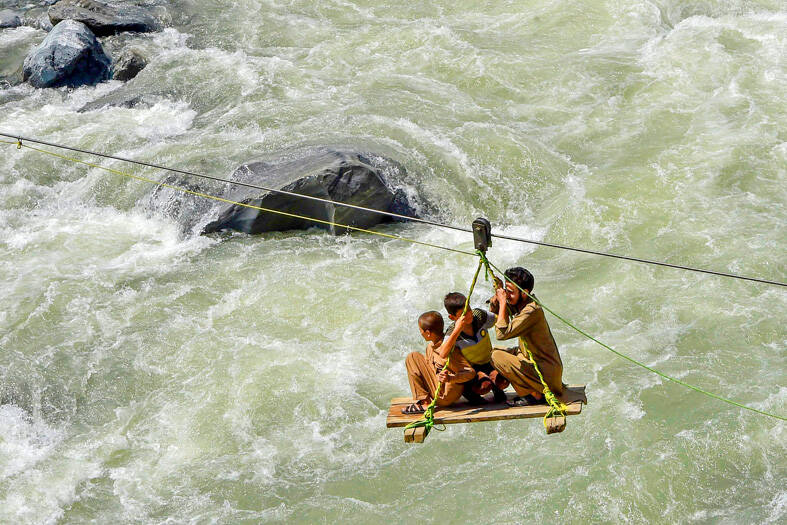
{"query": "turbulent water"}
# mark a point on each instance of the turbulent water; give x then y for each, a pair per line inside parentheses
(154, 375)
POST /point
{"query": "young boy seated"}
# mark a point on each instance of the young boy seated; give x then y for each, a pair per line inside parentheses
(476, 346)
(425, 372)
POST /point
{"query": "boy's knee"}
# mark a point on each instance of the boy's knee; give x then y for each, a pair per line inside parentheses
(498, 356)
(412, 358)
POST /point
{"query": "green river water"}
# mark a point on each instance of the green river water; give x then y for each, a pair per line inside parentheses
(152, 375)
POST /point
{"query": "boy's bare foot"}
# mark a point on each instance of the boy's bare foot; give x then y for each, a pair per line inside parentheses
(500, 396)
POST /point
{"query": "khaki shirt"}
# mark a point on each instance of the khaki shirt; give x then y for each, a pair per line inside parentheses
(530, 325)
(459, 366)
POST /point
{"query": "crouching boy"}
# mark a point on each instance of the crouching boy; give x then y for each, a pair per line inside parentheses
(425, 372)
(475, 345)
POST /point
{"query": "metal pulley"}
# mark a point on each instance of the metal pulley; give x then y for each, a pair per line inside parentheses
(482, 234)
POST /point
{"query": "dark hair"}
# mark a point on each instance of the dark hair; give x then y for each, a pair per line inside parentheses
(521, 277)
(454, 303)
(432, 321)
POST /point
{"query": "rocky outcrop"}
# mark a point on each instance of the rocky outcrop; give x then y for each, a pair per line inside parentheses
(104, 18)
(39, 21)
(129, 64)
(128, 96)
(70, 55)
(9, 18)
(331, 174)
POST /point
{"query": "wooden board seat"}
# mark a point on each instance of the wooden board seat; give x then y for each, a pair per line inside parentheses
(573, 397)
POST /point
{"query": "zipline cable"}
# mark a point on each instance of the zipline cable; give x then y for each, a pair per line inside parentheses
(20, 138)
(20, 145)
(632, 360)
(229, 201)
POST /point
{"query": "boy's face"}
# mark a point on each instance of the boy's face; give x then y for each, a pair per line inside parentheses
(456, 316)
(512, 293)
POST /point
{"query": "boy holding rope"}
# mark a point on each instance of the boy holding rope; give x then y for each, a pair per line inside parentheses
(476, 346)
(536, 343)
(425, 372)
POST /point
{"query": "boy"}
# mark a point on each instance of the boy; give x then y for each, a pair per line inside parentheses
(476, 346)
(521, 317)
(426, 372)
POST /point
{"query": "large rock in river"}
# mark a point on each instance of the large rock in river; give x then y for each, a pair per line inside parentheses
(9, 18)
(105, 18)
(129, 64)
(70, 55)
(327, 173)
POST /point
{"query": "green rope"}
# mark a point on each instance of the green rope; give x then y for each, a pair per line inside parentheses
(632, 360)
(483, 261)
(555, 405)
(428, 420)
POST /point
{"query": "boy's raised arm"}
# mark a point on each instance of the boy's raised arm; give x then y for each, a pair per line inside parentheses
(450, 341)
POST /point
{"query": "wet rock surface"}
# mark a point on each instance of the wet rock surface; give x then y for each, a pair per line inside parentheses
(9, 18)
(334, 174)
(129, 64)
(105, 18)
(70, 55)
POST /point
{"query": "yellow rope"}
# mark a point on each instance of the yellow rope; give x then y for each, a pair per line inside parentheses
(20, 145)
(555, 405)
(428, 420)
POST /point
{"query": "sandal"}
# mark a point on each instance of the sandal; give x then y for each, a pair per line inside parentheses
(526, 401)
(413, 408)
(500, 396)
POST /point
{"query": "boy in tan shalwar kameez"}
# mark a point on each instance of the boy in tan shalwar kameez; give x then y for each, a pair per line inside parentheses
(519, 316)
(426, 372)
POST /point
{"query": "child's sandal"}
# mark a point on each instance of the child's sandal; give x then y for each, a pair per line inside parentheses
(413, 408)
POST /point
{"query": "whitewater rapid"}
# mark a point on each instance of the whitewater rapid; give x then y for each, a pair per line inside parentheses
(149, 374)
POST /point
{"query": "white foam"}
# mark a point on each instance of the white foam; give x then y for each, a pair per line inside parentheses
(24, 440)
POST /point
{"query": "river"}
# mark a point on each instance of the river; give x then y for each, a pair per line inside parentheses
(152, 375)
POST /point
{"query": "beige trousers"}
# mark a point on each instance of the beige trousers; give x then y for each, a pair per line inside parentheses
(423, 381)
(520, 371)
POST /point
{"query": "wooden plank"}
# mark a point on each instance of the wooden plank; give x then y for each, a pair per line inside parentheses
(570, 394)
(415, 435)
(573, 396)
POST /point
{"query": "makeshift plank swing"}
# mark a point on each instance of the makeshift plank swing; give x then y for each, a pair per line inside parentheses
(553, 410)
(573, 397)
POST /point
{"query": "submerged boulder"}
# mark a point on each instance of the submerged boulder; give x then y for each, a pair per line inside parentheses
(40, 21)
(105, 18)
(129, 64)
(70, 55)
(9, 18)
(333, 174)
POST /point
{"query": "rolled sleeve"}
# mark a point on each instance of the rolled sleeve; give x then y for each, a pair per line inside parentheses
(519, 325)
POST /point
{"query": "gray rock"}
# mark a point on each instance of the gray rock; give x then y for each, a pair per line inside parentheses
(108, 101)
(9, 18)
(129, 64)
(127, 96)
(40, 21)
(70, 55)
(104, 18)
(327, 173)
